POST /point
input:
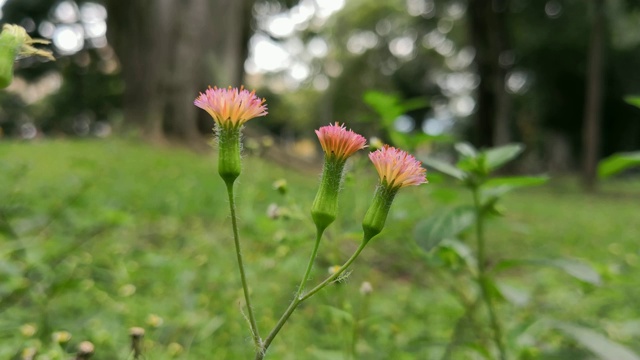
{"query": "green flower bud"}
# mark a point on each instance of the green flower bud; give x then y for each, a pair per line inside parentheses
(7, 56)
(325, 206)
(376, 216)
(229, 164)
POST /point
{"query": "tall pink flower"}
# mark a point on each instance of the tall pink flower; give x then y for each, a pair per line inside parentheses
(397, 168)
(231, 106)
(338, 141)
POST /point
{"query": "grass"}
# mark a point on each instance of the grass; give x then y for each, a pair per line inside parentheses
(100, 236)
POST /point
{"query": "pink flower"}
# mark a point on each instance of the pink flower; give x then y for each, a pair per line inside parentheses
(397, 168)
(338, 141)
(231, 106)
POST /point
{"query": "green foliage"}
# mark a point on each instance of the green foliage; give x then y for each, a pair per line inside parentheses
(618, 163)
(633, 100)
(444, 234)
(597, 343)
(90, 219)
(446, 224)
(389, 107)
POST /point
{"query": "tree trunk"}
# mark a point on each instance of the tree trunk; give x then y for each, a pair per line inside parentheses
(488, 33)
(170, 50)
(593, 97)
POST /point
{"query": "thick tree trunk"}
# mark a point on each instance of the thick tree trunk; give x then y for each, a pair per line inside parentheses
(593, 98)
(488, 33)
(170, 50)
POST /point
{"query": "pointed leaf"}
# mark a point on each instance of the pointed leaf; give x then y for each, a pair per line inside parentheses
(414, 104)
(461, 250)
(444, 168)
(617, 163)
(465, 149)
(514, 295)
(501, 155)
(446, 224)
(386, 105)
(633, 100)
(493, 189)
(578, 269)
(597, 343)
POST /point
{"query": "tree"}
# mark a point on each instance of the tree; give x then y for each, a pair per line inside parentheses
(169, 50)
(488, 34)
(593, 97)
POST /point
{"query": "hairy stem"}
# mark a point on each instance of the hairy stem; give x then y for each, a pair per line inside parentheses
(243, 278)
(300, 296)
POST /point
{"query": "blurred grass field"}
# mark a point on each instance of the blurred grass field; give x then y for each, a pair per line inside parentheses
(100, 236)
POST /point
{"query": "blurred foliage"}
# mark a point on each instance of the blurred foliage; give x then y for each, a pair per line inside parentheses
(97, 237)
(415, 49)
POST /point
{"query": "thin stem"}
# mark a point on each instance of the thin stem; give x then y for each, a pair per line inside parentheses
(245, 287)
(335, 275)
(482, 276)
(312, 259)
(299, 298)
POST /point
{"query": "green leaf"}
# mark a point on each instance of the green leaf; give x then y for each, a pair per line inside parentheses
(386, 105)
(578, 269)
(446, 224)
(466, 149)
(495, 188)
(514, 295)
(633, 100)
(444, 168)
(501, 155)
(617, 163)
(460, 249)
(597, 343)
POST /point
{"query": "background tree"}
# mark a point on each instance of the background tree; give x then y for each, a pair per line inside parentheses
(169, 50)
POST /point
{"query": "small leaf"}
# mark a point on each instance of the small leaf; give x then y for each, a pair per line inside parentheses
(597, 343)
(461, 250)
(578, 269)
(386, 105)
(633, 100)
(444, 168)
(515, 296)
(446, 224)
(617, 163)
(495, 188)
(501, 155)
(465, 149)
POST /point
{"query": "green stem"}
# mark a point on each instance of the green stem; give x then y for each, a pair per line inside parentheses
(243, 278)
(299, 298)
(335, 275)
(483, 278)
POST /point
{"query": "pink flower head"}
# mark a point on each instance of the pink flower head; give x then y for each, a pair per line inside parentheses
(231, 106)
(397, 168)
(338, 141)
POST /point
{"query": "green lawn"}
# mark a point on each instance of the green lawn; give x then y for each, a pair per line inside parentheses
(100, 236)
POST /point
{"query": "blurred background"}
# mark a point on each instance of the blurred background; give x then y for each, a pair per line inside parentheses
(100, 231)
(550, 74)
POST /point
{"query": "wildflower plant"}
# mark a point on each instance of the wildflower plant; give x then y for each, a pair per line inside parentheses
(231, 108)
(442, 235)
